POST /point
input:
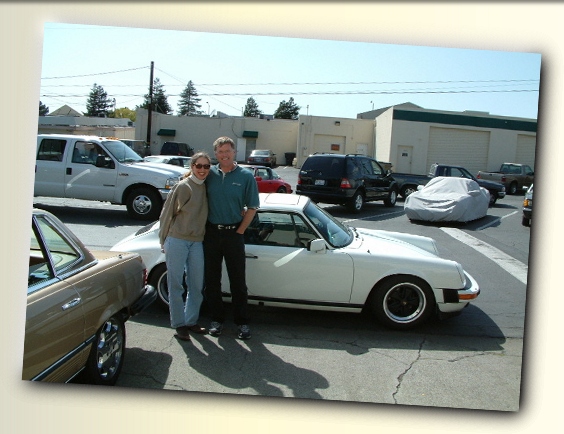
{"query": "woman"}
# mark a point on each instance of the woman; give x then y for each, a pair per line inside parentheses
(182, 226)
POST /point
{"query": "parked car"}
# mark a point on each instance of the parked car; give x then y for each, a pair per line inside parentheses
(140, 146)
(445, 199)
(514, 176)
(77, 304)
(176, 160)
(313, 261)
(177, 148)
(268, 180)
(409, 183)
(264, 157)
(528, 207)
(349, 180)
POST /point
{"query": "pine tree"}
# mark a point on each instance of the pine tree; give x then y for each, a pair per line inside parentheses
(160, 100)
(189, 101)
(43, 109)
(287, 110)
(98, 104)
(251, 108)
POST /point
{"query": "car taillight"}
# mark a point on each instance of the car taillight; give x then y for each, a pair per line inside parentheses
(503, 178)
(345, 183)
(299, 180)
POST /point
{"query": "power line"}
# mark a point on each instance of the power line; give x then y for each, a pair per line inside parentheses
(93, 75)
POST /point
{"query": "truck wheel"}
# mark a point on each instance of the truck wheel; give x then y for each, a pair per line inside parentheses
(392, 198)
(144, 204)
(356, 203)
(512, 188)
(407, 190)
(493, 198)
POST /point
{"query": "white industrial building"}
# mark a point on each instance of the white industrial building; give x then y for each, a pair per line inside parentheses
(409, 137)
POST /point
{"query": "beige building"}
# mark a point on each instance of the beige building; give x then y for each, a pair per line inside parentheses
(409, 137)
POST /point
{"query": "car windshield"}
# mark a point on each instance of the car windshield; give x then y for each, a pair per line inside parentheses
(334, 232)
(122, 152)
(260, 152)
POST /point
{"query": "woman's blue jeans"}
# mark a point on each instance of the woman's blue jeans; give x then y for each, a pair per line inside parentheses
(184, 263)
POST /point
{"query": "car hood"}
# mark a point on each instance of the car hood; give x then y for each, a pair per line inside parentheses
(163, 168)
(395, 243)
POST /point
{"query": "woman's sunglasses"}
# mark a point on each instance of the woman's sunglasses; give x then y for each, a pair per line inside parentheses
(199, 166)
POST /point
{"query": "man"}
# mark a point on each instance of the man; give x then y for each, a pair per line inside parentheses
(230, 189)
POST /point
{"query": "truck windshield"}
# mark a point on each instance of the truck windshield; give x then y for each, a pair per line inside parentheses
(121, 152)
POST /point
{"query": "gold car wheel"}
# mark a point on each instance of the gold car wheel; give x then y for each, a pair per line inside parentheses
(106, 357)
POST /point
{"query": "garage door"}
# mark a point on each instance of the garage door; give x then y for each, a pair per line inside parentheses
(458, 147)
(526, 149)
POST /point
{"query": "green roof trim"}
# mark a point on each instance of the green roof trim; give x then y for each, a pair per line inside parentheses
(166, 132)
(465, 120)
(250, 134)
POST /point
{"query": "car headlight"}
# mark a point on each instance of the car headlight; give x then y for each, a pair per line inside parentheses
(171, 182)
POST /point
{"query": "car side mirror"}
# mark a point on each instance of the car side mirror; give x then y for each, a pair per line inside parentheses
(317, 246)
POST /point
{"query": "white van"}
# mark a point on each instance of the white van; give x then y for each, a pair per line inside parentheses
(102, 169)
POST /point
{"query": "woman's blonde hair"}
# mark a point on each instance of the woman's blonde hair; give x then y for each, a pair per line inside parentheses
(195, 157)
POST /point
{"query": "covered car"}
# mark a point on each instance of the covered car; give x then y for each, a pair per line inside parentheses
(447, 199)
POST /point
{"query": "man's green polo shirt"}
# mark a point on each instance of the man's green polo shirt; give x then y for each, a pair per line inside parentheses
(228, 193)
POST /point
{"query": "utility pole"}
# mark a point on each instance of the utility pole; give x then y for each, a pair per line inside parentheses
(150, 111)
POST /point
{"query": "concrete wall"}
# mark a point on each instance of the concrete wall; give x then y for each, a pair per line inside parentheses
(200, 132)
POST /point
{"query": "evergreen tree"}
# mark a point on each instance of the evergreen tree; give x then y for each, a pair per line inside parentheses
(287, 110)
(251, 108)
(160, 100)
(43, 109)
(125, 113)
(98, 103)
(189, 101)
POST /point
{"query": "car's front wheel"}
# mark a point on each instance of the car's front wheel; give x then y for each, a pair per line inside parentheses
(106, 356)
(144, 204)
(392, 198)
(281, 190)
(402, 302)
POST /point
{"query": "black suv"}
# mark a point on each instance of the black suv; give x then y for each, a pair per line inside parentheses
(177, 148)
(348, 180)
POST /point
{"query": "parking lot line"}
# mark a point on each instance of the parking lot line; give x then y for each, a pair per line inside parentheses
(511, 265)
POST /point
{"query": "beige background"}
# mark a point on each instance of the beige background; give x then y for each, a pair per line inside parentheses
(529, 27)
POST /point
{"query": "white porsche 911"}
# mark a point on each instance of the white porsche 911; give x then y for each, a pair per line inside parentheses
(299, 256)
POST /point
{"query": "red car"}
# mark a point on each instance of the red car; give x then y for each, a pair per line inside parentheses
(268, 180)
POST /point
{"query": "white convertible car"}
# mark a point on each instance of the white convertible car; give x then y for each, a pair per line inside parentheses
(299, 256)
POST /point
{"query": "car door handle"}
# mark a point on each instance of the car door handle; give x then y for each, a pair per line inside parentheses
(69, 170)
(74, 302)
(251, 256)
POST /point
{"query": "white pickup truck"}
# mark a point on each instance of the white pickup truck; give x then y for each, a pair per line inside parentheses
(102, 169)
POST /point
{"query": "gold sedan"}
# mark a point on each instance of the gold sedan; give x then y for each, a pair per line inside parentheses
(77, 304)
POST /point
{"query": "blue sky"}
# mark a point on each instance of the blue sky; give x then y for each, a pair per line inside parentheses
(325, 77)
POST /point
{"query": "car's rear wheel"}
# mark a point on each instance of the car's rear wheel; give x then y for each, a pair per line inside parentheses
(407, 190)
(158, 280)
(356, 202)
(108, 350)
(402, 302)
(281, 190)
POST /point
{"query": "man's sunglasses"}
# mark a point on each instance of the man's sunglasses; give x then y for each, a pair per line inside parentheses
(199, 166)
